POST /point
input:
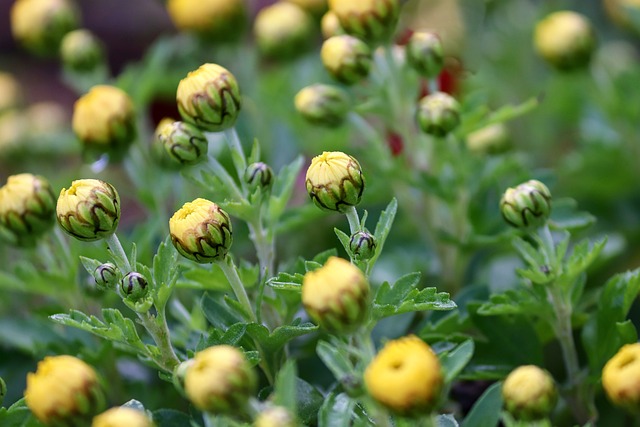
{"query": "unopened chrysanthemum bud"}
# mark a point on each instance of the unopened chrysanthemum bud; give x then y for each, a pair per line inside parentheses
(220, 380)
(81, 51)
(492, 139)
(134, 286)
(258, 174)
(425, 53)
(201, 231)
(209, 98)
(106, 276)
(104, 120)
(438, 114)
(334, 181)
(64, 391)
(217, 20)
(122, 416)
(10, 92)
(565, 39)
(370, 20)
(621, 377)
(336, 295)
(529, 393)
(40, 25)
(157, 145)
(362, 245)
(183, 142)
(27, 206)
(405, 376)
(89, 210)
(323, 105)
(314, 7)
(346, 58)
(275, 416)
(526, 206)
(283, 30)
(330, 25)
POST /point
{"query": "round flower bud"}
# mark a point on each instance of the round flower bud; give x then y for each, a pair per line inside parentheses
(529, 393)
(565, 40)
(27, 206)
(81, 51)
(621, 377)
(314, 7)
(362, 245)
(438, 114)
(183, 142)
(334, 181)
(209, 98)
(405, 376)
(157, 145)
(275, 416)
(346, 58)
(217, 20)
(323, 105)
(425, 53)
(220, 380)
(134, 286)
(368, 19)
(258, 174)
(336, 295)
(201, 231)
(64, 390)
(283, 30)
(89, 210)
(330, 25)
(104, 120)
(122, 416)
(10, 92)
(106, 276)
(40, 25)
(492, 139)
(526, 206)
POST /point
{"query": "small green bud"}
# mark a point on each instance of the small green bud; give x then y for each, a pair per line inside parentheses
(492, 139)
(438, 114)
(106, 276)
(158, 151)
(526, 206)
(283, 30)
(425, 53)
(183, 143)
(323, 105)
(81, 51)
(346, 58)
(134, 286)
(371, 20)
(566, 40)
(258, 174)
(362, 245)
(529, 393)
(334, 181)
(275, 416)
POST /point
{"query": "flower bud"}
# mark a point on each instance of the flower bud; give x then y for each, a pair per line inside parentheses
(405, 376)
(425, 53)
(209, 98)
(362, 245)
(346, 58)
(81, 51)
(104, 120)
(122, 416)
(65, 391)
(106, 276)
(330, 25)
(157, 145)
(336, 296)
(492, 139)
(438, 114)
(529, 393)
(183, 142)
(283, 30)
(621, 377)
(323, 105)
(258, 174)
(134, 286)
(275, 416)
(334, 181)
(370, 20)
(40, 25)
(89, 210)
(565, 40)
(10, 92)
(220, 380)
(526, 206)
(27, 206)
(201, 231)
(217, 20)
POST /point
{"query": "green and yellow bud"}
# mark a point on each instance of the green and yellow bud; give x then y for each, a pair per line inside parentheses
(107, 276)
(81, 51)
(134, 286)
(40, 25)
(209, 98)
(526, 206)
(275, 416)
(220, 380)
(283, 30)
(405, 376)
(217, 20)
(425, 53)
(201, 231)
(362, 245)
(438, 114)
(529, 393)
(566, 40)
(89, 210)
(335, 181)
(371, 20)
(330, 25)
(621, 378)
(158, 152)
(314, 7)
(10, 92)
(122, 416)
(183, 143)
(258, 175)
(64, 391)
(27, 208)
(492, 139)
(323, 105)
(346, 58)
(336, 296)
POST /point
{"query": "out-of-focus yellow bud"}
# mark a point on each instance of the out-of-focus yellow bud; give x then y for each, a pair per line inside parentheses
(10, 92)
(183, 143)
(64, 390)
(122, 417)
(492, 139)
(529, 393)
(346, 58)
(438, 114)
(425, 53)
(81, 51)
(565, 39)
(314, 7)
(283, 30)
(334, 181)
(13, 130)
(323, 105)
(621, 377)
(330, 25)
(46, 118)
(209, 98)
(219, 20)
(201, 231)
(405, 376)
(220, 380)
(157, 145)
(371, 20)
(336, 295)
(275, 416)
(526, 206)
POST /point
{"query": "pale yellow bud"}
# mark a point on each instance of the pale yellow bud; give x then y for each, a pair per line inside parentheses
(220, 20)
(122, 417)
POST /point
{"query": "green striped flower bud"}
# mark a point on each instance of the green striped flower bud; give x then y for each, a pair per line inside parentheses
(323, 105)
(346, 58)
(258, 174)
(362, 245)
(106, 276)
(134, 286)
(529, 393)
(183, 143)
(81, 51)
(526, 206)
(283, 31)
(425, 53)
(438, 114)
(334, 181)
(371, 20)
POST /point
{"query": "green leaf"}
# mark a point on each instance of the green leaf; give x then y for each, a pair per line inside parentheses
(18, 415)
(529, 301)
(165, 272)
(446, 420)
(276, 340)
(344, 240)
(336, 359)
(285, 387)
(565, 216)
(90, 264)
(454, 361)
(579, 260)
(309, 401)
(336, 411)
(322, 257)
(171, 418)
(383, 227)
(486, 411)
(212, 278)
(287, 282)
(282, 188)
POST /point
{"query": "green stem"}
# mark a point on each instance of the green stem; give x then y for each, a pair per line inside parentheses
(159, 331)
(118, 253)
(237, 153)
(224, 176)
(231, 272)
(354, 220)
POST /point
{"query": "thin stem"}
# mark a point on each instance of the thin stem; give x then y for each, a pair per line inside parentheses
(224, 176)
(354, 220)
(159, 331)
(231, 272)
(237, 153)
(119, 255)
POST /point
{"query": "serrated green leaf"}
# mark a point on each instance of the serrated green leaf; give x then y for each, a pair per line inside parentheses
(285, 387)
(565, 216)
(18, 415)
(383, 227)
(336, 411)
(217, 312)
(344, 240)
(335, 359)
(454, 361)
(528, 301)
(397, 293)
(486, 411)
(90, 264)
(530, 254)
(403, 297)
(309, 401)
(171, 418)
(164, 265)
(287, 282)
(276, 340)
(323, 256)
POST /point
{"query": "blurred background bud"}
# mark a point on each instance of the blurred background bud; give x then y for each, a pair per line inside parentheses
(283, 30)
(216, 20)
(10, 92)
(425, 54)
(371, 20)
(323, 105)
(346, 58)
(438, 114)
(81, 51)
(330, 25)
(492, 139)
(122, 416)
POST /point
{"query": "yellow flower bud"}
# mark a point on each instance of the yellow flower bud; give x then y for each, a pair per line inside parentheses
(64, 390)
(425, 53)
(45, 119)
(219, 20)
(121, 417)
(565, 40)
(209, 98)
(438, 114)
(334, 181)
(283, 30)
(368, 19)
(81, 51)
(492, 139)
(621, 377)
(201, 231)
(346, 58)
(275, 416)
(405, 376)
(13, 130)
(220, 380)
(89, 210)
(529, 393)
(330, 25)
(10, 92)
(336, 295)
(183, 143)
(323, 105)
